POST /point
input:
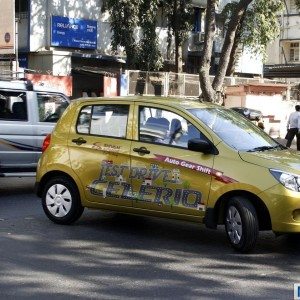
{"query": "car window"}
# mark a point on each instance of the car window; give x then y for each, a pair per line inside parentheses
(164, 127)
(235, 130)
(51, 106)
(103, 120)
(13, 106)
(84, 119)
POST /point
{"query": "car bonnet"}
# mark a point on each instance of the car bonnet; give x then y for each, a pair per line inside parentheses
(285, 160)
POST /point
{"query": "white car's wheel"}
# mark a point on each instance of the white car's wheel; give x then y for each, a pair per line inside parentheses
(61, 201)
(241, 224)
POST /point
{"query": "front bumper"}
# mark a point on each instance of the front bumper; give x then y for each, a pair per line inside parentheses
(284, 209)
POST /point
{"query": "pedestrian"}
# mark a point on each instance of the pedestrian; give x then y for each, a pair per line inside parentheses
(293, 127)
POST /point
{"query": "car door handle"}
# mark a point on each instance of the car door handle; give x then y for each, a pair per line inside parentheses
(141, 150)
(79, 141)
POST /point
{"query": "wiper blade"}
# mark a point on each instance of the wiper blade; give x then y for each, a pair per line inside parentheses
(281, 147)
(263, 148)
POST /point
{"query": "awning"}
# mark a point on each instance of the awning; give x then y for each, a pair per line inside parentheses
(95, 70)
(199, 3)
(282, 71)
(112, 58)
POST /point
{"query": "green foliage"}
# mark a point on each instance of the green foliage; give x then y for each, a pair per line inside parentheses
(297, 2)
(179, 17)
(150, 57)
(126, 16)
(123, 23)
(142, 51)
(260, 25)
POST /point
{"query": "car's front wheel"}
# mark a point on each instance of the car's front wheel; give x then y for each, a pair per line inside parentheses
(61, 201)
(241, 224)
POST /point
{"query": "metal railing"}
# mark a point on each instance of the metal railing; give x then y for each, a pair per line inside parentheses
(174, 84)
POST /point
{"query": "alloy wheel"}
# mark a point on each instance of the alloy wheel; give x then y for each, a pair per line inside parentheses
(234, 225)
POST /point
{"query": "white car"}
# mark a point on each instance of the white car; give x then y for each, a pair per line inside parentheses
(27, 114)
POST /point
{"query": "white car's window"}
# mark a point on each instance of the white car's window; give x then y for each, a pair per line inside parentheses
(51, 106)
(164, 127)
(104, 120)
(13, 106)
(235, 130)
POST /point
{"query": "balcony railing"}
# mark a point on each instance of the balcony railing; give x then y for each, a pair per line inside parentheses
(22, 15)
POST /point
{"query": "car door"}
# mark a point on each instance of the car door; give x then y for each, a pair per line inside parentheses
(99, 146)
(47, 109)
(17, 147)
(165, 175)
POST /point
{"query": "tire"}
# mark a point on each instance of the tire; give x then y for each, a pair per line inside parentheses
(241, 224)
(61, 201)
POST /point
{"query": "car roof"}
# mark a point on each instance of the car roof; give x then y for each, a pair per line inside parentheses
(186, 103)
(26, 85)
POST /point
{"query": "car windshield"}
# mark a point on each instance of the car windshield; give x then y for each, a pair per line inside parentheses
(235, 130)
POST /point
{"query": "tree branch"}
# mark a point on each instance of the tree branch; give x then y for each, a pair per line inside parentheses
(228, 43)
(210, 27)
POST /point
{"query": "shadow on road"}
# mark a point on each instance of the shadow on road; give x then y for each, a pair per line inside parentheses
(15, 186)
(109, 255)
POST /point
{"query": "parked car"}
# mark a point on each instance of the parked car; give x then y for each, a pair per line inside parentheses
(252, 114)
(170, 158)
(27, 114)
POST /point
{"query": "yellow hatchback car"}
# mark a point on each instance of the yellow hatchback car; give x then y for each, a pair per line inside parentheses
(171, 158)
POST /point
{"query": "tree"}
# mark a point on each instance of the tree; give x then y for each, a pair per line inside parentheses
(150, 56)
(237, 16)
(210, 26)
(141, 51)
(123, 25)
(178, 14)
(258, 28)
(250, 22)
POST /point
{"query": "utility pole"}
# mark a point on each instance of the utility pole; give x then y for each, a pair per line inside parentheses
(17, 45)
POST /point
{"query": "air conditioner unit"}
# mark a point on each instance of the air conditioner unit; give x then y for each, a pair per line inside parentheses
(198, 38)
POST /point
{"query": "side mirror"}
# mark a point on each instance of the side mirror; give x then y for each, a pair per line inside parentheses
(200, 145)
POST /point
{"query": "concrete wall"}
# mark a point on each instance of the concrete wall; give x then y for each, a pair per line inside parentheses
(250, 63)
(38, 25)
(269, 105)
(222, 4)
(273, 52)
(278, 51)
(23, 36)
(58, 62)
(290, 27)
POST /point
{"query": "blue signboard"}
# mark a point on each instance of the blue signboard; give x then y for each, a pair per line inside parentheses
(73, 33)
(23, 61)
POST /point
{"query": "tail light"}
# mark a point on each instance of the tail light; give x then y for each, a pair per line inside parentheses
(46, 142)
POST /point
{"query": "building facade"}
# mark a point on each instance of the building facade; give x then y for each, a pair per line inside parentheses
(284, 53)
(73, 38)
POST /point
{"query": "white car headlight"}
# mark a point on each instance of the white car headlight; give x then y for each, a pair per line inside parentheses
(290, 181)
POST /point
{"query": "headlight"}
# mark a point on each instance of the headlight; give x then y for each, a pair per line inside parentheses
(290, 181)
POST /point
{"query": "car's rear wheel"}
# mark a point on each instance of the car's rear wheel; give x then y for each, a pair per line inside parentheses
(241, 224)
(61, 201)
